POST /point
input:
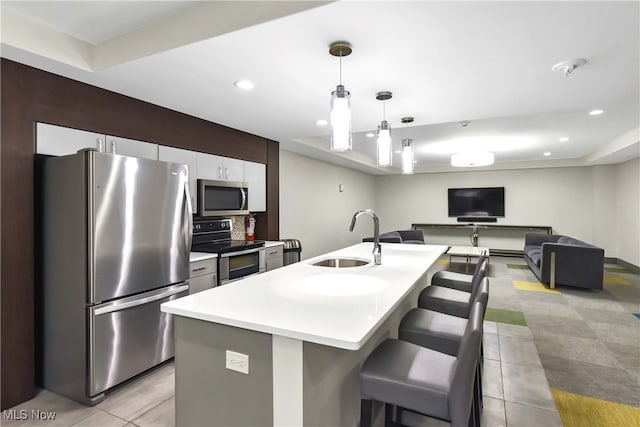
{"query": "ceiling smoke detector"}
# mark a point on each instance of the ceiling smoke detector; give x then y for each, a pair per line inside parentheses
(567, 67)
(464, 123)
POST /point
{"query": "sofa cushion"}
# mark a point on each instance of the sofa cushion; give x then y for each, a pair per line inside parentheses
(575, 242)
(535, 254)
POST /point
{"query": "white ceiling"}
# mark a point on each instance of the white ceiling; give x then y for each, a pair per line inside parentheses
(445, 62)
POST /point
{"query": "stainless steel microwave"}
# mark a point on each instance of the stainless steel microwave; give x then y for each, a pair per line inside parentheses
(222, 198)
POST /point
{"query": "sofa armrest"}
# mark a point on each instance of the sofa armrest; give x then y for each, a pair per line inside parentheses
(537, 239)
(574, 265)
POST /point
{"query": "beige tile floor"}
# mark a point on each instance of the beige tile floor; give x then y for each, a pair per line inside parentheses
(515, 389)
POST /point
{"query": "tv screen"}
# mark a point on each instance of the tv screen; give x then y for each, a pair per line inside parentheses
(481, 202)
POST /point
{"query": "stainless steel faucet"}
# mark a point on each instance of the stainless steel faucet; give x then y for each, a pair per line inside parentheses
(377, 249)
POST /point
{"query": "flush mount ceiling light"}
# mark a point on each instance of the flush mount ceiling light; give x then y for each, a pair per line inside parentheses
(244, 84)
(321, 122)
(546, 153)
(595, 112)
(384, 133)
(567, 67)
(563, 139)
(370, 135)
(472, 159)
(407, 151)
(340, 104)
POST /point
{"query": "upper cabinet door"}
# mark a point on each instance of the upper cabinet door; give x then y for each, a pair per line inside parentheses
(209, 166)
(61, 141)
(131, 147)
(255, 174)
(219, 168)
(185, 157)
(233, 169)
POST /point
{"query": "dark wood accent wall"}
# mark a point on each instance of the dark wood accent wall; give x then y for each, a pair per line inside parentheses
(30, 95)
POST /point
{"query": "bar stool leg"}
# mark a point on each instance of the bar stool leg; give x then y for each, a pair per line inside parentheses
(365, 412)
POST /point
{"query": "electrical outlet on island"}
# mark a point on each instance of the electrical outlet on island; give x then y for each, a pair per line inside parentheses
(237, 362)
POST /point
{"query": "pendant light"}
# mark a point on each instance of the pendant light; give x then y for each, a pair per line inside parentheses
(407, 151)
(340, 105)
(384, 133)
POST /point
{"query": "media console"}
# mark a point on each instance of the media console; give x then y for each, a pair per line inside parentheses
(509, 233)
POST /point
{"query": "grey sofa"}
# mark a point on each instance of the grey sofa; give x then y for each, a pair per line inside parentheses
(400, 236)
(563, 260)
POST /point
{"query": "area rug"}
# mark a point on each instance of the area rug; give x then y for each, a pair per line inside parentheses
(518, 266)
(505, 316)
(533, 286)
(582, 411)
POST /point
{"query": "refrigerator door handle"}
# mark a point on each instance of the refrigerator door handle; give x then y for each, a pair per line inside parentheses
(136, 301)
(187, 220)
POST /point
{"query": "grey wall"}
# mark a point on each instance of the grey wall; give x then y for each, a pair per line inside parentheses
(627, 220)
(314, 211)
(589, 203)
(598, 204)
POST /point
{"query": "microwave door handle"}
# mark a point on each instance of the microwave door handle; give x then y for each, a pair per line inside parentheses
(187, 220)
(244, 199)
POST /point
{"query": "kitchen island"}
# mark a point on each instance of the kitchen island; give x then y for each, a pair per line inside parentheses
(306, 330)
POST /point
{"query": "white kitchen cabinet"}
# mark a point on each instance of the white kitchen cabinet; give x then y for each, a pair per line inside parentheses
(203, 275)
(219, 168)
(255, 175)
(131, 147)
(274, 257)
(185, 157)
(61, 141)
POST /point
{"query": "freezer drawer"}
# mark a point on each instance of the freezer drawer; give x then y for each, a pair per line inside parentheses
(129, 336)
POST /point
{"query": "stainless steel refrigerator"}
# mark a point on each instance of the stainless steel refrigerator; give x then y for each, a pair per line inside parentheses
(116, 240)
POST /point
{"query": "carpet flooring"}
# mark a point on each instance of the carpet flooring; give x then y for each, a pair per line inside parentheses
(588, 341)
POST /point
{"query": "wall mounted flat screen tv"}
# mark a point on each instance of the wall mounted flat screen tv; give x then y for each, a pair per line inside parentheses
(478, 202)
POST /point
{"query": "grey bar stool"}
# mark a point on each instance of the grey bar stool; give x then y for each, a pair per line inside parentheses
(426, 381)
(450, 301)
(460, 281)
(436, 330)
(443, 332)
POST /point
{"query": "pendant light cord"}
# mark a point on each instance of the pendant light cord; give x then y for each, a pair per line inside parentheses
(340, 68)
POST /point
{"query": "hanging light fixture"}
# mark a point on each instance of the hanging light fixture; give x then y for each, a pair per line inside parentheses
(384, 133)
(407, 150)
(340, 105)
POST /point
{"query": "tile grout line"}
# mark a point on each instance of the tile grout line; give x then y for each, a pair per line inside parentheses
(150, 409)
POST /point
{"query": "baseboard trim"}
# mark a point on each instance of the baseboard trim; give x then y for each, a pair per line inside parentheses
(631, 267)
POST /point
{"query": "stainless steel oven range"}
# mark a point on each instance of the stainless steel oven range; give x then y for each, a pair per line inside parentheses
(237, 259)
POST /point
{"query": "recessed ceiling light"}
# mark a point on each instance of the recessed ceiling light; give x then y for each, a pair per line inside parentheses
(595, 112)
(547, 153)
(370, 135)
(321, 122)
(563, 139)
(244, 84)
(398, 151)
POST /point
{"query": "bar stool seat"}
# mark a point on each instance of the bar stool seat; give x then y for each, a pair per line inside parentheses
(423, 380)
(460, 281)
(437, 330)
(445, 300)
(410, 376)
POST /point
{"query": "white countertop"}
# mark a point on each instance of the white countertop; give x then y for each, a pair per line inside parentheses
(338, 307)
(271, 243)
(199, 256)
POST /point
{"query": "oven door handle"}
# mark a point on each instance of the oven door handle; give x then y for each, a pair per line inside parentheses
(247, 251)
(224, 282)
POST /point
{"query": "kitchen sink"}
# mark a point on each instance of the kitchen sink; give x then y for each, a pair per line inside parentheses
(341, 262)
